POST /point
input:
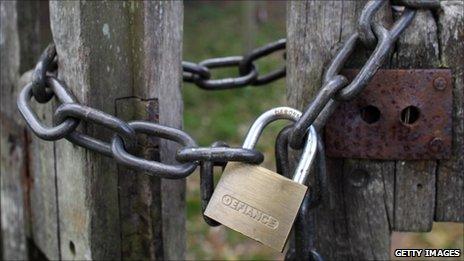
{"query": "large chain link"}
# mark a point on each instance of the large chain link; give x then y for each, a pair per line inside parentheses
(336, 88)
(70, 113)
(248, 71)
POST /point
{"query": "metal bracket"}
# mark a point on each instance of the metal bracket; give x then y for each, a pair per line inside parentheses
(400, 115)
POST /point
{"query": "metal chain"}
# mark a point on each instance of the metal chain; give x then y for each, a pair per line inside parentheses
(200, 73)
(336, 88)
(70, 114)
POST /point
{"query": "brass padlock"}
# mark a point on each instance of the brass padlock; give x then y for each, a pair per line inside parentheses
(257, 202)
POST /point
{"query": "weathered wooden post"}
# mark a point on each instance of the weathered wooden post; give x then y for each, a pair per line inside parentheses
(24, 33)
(374, 197)
(123, 58)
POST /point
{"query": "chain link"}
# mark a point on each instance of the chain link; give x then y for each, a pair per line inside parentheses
(418, 4)
(175, 171)
(219, 154)
(366, 35)
(88, 114)
(207, 182)
(200, 73)
(42, 94)
(225, 83)
(38, 128)
(247, 64)
(335, 89)
(386, 40)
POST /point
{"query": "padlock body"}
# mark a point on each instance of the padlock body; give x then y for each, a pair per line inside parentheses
(256, 202)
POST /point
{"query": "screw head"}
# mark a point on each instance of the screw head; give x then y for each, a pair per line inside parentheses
(439, 83)
(436, 145)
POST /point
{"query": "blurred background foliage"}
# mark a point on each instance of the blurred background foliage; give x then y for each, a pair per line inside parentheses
(229, 28)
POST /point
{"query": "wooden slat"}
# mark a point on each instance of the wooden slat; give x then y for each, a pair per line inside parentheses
(22, 36)
(368, 191)
(414, 207)
(13, 172)
(92, 42)
(160, 62)
(450, 173)
(370, 198)
(139, 194)
(156, 62)
(357, 225)
(13, 169)
(42, 175)
(110, 52)
(42, 196)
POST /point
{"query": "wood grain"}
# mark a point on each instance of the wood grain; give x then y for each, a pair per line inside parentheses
(162, 46)
(13, 222)
(139, 193)
(357, 224)
(110, 52)
(157, 75)
(415, 190)
(93, 49)
(450, 173)
(42, 192)
(371, 198)
(24, 33)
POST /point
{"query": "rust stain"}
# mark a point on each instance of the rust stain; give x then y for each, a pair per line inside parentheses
(396, 133)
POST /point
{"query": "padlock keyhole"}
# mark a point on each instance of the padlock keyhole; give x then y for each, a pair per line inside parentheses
(410, 115)
(370, 114)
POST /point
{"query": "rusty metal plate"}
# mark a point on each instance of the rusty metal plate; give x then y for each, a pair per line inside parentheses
(379, 125)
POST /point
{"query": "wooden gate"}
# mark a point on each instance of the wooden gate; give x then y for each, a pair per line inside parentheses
(121, 57)
(59, 201)
(372, 197)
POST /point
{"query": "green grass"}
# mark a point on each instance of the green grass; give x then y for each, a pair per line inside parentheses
(215, 30)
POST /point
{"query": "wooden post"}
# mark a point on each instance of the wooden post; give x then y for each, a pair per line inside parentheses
(373, 198)
(108, 52)
(153, 226)
(24, 33)
(123, 58)
(450, 174)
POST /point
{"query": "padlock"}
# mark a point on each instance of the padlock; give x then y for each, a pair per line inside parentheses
(257, 202)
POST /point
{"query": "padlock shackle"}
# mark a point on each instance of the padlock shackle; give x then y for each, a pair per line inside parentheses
(307, 157)
(310, 150)
(262, 121)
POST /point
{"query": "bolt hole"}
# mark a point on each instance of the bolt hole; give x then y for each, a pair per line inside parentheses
(370, 114)
(410, 115)
(359, 177)
(419, 186)
(72, 247)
